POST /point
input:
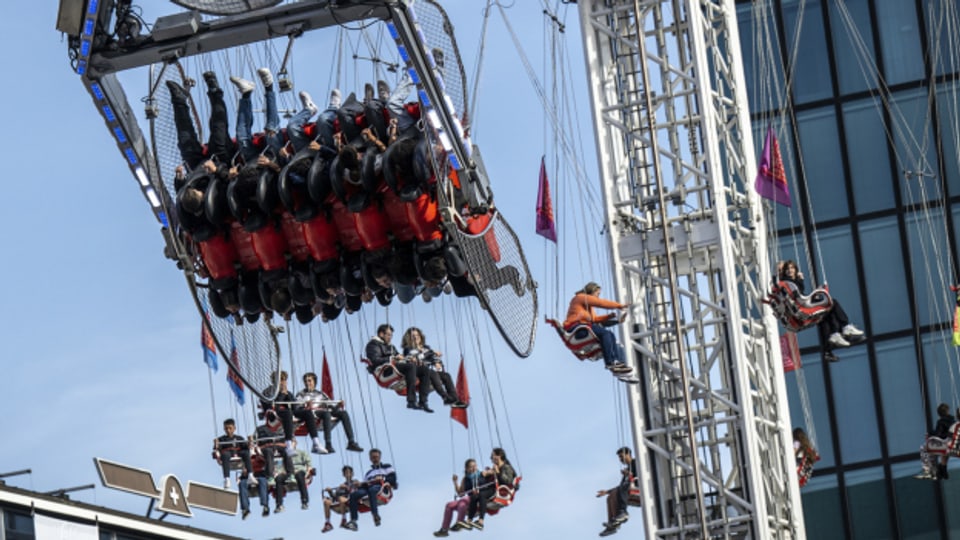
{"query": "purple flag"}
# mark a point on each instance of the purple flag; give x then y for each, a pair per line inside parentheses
(771, 180)
(545, 225)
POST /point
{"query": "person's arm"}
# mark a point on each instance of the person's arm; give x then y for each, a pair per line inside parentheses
(596, 301)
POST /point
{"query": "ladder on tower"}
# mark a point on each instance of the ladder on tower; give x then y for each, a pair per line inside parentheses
(674, 145)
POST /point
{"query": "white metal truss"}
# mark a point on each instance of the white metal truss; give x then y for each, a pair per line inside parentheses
(710, 416)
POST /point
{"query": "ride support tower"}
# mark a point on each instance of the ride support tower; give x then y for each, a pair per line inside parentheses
(688, 244)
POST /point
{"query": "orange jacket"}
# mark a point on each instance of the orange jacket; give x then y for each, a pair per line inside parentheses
(581, 310)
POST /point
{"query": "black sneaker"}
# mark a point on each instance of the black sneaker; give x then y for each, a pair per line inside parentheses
(425, 408)
(354, 447)
(376, 520)
(177, 93)
(441, 533)
(266, 511)
(304, 505)
(246, 513)
(351, 525)
(608, 531)
(412, 406)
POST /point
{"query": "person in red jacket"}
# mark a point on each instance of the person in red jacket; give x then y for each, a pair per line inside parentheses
(581, 311)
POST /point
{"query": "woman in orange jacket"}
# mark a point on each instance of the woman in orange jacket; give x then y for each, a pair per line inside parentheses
(581, 311)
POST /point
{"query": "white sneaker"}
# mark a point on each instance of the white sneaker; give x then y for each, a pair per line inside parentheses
(335, 100)
(243, 86)
(291, 451)
(226, 483)
(265, 77)
(319, 449)
(307, 102)
(837, 340)
(852, 331)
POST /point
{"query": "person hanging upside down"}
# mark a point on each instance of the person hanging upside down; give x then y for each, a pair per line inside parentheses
(338, 499)
(417, 351)
(272, 138)
(379, 475)
(581, 311)
(835, 326)
(938, 443)
(619, 496)
(471, 479)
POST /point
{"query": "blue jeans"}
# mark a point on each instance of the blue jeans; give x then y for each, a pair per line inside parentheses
(245, 126)
(608, 344)
(371, 493)
(395, 105)
(242, 488)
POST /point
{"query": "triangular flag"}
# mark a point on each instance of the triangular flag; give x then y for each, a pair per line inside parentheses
(771, 182)
(233, 371)
(463, 394)
(326, 383)
(206, 340)
(545, 225)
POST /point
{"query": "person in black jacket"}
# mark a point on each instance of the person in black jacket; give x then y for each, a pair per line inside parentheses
(619, 496)
(286, 406)
(380, 351)
(228, 445)
(938, 442)
(835, 327)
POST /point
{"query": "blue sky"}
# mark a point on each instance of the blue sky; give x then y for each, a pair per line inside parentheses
(101, 339)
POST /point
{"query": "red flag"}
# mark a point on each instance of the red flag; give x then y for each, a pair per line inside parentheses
(463, 394)
(790, 352)
(545, 225)
(326, 383)
(771, 182)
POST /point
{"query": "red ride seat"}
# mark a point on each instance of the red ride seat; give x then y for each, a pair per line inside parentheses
(503, 496)
(384, 496)
(388, 376)
(580, 339)
(795, 311)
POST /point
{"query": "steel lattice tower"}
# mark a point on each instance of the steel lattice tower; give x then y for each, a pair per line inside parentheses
(710, 416)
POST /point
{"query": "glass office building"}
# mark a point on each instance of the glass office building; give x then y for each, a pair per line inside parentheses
(870, 144)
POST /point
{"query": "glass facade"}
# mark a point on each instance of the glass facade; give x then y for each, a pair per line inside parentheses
(863, 95)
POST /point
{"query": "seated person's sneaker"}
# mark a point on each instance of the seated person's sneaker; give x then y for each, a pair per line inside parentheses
(327, 527)
(851, 331)
(836, 340)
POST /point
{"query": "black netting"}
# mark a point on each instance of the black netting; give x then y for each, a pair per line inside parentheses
(225, 7)
(258, 353)
(440, 41)
(503, 281)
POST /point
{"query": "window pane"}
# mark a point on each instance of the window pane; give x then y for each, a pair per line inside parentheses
(822, 165)
(940, 16)
(942, 365)
(819, 432)
(916, 504)
(868, 156)
(839, 260)
(811, 74)
(903, 413)
(951, 501)
(931, 266)
(854, 406)
(949, 109)
(759, 38)
(916, 149)
(821, 508)
(899, 41)
(868, 503)
(885, 277)
(855, 72)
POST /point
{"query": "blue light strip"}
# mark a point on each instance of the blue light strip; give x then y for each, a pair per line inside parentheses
(88, 27)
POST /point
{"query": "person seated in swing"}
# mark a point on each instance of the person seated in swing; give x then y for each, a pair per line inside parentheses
(228, 445)
(379, 475)
(298, 466)
(462, 490)
(938, 443)
(618, 497)
(338, 498)
(805, 454)
(286, 407)
(835, 325)
(380, 351)
(269, 438)
(581, 311)
(500, 473)
(323, 406)
(416, 350)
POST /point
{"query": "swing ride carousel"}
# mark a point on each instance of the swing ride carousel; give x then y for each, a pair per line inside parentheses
(308, 218)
